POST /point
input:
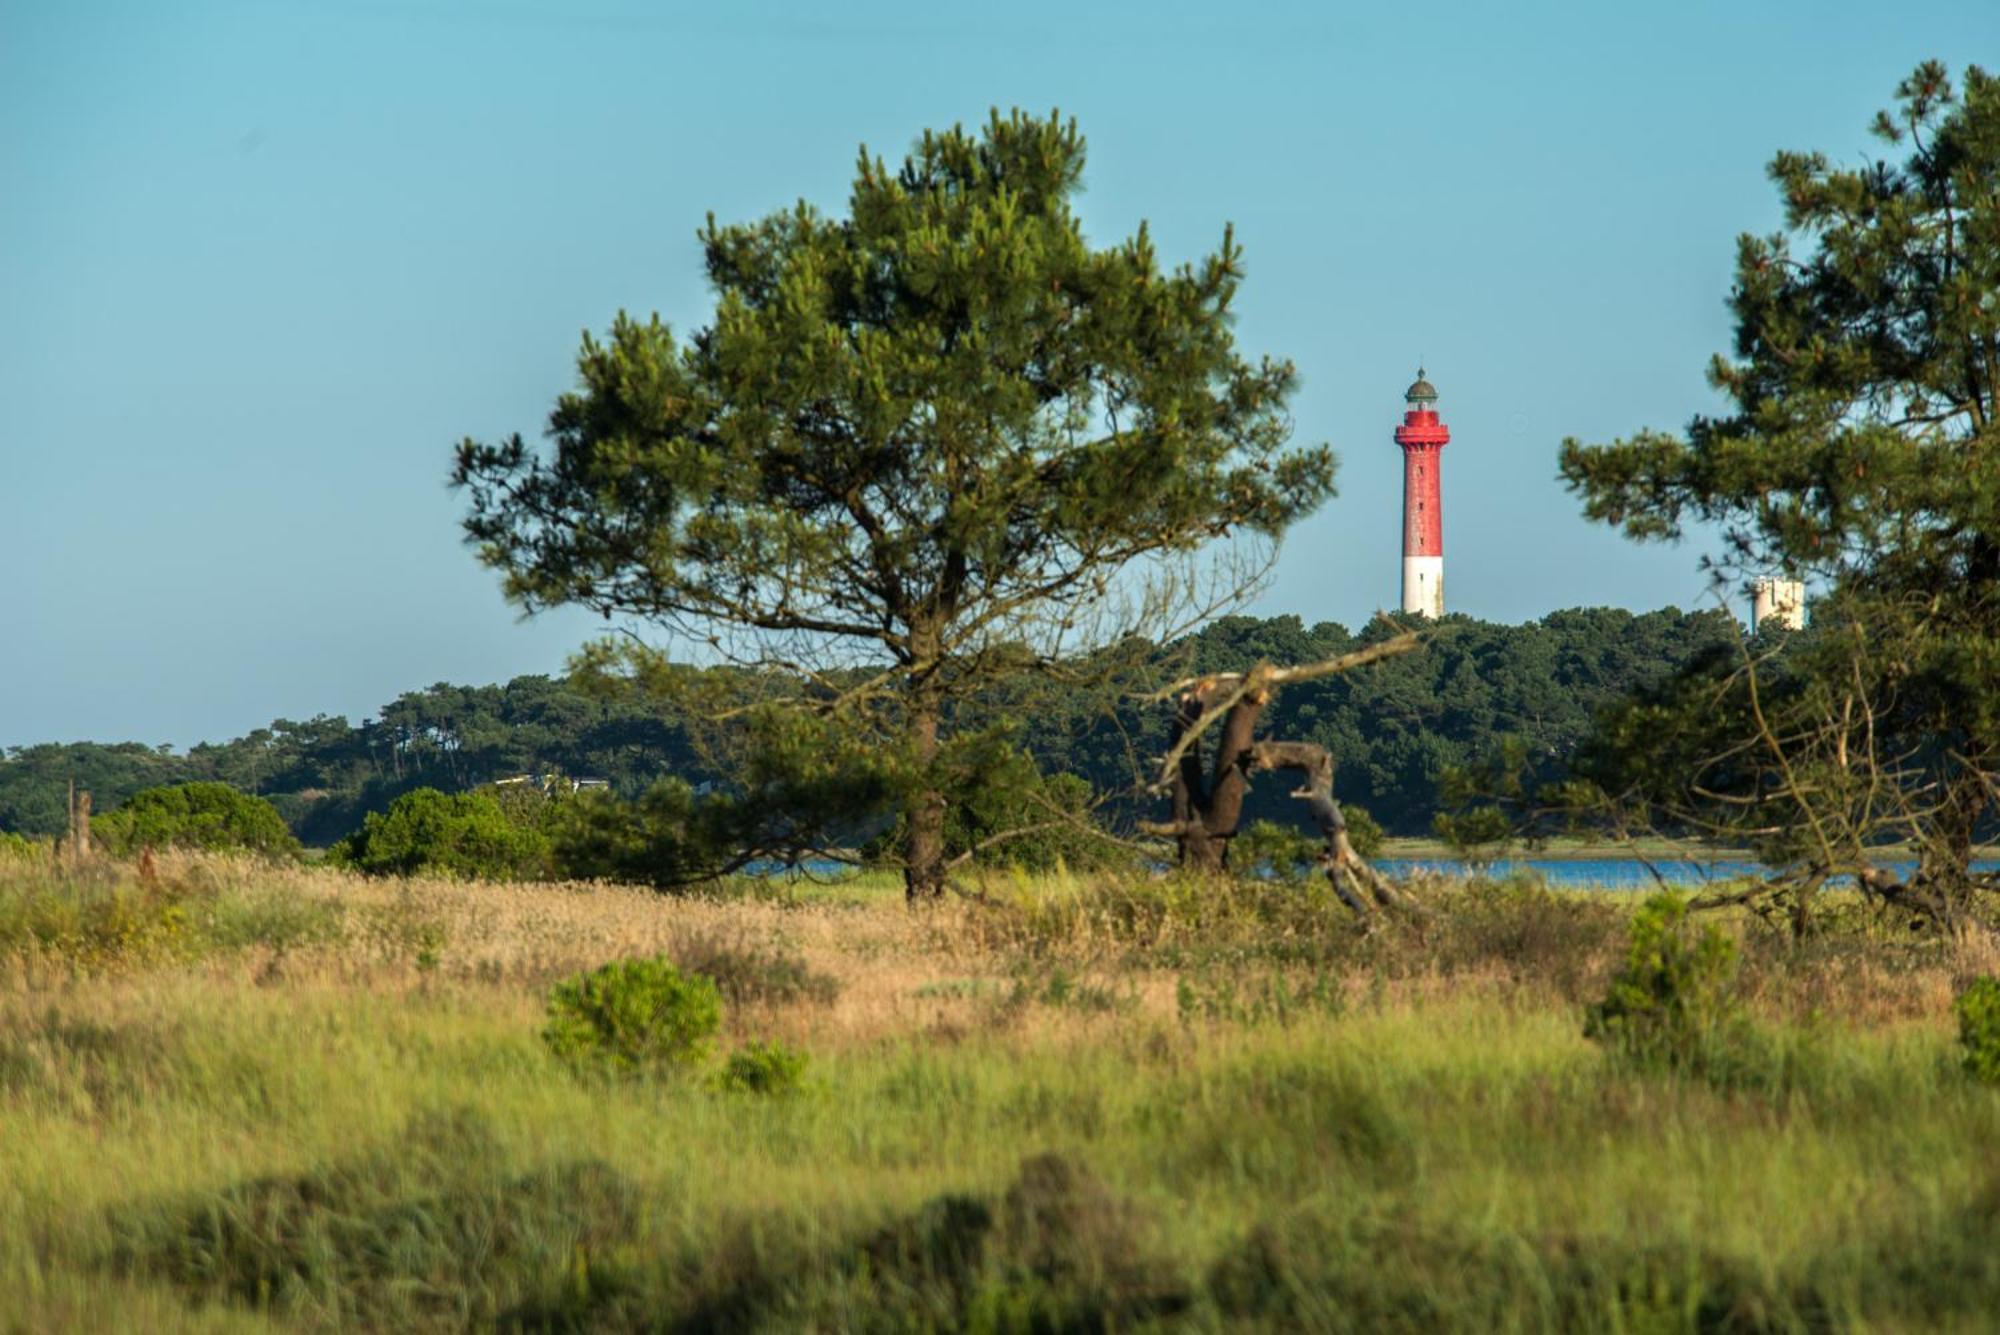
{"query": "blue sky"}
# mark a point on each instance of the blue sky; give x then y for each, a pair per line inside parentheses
(262, 264)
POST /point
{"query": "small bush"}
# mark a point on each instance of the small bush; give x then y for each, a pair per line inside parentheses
(1670, 1004)
(20, 848)
(632, 1016)
(1978, 1011)
(762, 1068)
(209, 816)
(1533, 932)
(113, 916)
(426, 831)
(92, 925)
(1282, 852)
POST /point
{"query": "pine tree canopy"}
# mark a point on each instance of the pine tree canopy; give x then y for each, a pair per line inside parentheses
(1866, 371)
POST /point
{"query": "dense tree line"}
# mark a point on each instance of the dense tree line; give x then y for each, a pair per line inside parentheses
(1393, 728)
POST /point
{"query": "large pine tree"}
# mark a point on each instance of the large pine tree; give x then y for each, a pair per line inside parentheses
(1861, 453)
(930, 442)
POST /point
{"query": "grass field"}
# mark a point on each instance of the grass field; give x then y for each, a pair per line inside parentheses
(238, 1098)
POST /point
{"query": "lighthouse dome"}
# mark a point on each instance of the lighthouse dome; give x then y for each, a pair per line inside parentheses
(1423, 391)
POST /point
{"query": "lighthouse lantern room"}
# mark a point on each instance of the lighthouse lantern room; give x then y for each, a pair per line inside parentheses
(1422, 438)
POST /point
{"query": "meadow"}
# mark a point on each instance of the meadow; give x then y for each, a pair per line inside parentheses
(242, 1097)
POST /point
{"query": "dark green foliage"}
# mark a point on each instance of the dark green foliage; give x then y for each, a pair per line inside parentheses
(1857, 453)
(438, 1233)
(1978, 1012)
(432, 1234)
(325, 774)
(208, 816)
(427, 832)
(1290, 853)
(35, 780)
(769, 1069)
(632, 1017)
(800, 785)
(1005, 811)
(657, 838)
(1327, 1272)
(1321, 1270)
(1396, 730)
(1478, 683)
(1012, 815)
(1670, 1007)
(1057, 1251)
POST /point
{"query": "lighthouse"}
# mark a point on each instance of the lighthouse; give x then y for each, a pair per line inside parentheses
(1422, 439)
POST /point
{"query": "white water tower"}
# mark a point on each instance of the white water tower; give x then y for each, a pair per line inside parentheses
(1780, 601)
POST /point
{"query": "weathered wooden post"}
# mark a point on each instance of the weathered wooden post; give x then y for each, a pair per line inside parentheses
(79, 823)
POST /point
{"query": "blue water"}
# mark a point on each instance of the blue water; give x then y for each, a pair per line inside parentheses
(1612, 873)
(1605, 873)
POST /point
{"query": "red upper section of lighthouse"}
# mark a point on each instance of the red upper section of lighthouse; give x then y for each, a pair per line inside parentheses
(1421, 437)
(1422, 430)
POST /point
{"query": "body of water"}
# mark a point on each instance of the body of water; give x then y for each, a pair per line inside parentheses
(1613, 873)
(1603, 873)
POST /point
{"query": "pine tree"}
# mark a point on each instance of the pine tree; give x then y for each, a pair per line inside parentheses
(1860, 453)
(928, 443)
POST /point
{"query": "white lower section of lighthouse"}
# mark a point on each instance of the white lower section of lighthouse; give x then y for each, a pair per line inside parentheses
(1423, 585)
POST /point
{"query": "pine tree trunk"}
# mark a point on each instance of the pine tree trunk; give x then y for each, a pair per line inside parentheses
(923, 850)
(1945, 862)
(1204, 852)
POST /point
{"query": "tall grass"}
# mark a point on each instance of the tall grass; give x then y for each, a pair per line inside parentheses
(318, 1102)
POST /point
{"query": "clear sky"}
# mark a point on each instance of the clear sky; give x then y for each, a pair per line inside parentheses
(263, 263)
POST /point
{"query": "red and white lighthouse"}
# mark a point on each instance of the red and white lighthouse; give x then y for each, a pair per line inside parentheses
(1422, 438)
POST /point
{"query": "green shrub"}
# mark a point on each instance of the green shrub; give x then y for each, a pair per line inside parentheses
(20, 848)
(1283, 852)
(632, 1016)
(210, 816)
(1978, 1011)
(1363, 830)
(762, 1068)
(115, 916)
(665, 837)
(1289, 852)
(1670, 1004)
(426, 831)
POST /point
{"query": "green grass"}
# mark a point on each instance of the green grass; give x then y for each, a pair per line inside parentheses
(201, 1138)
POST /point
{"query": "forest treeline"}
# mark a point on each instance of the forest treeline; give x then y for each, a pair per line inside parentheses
(1392, 730)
